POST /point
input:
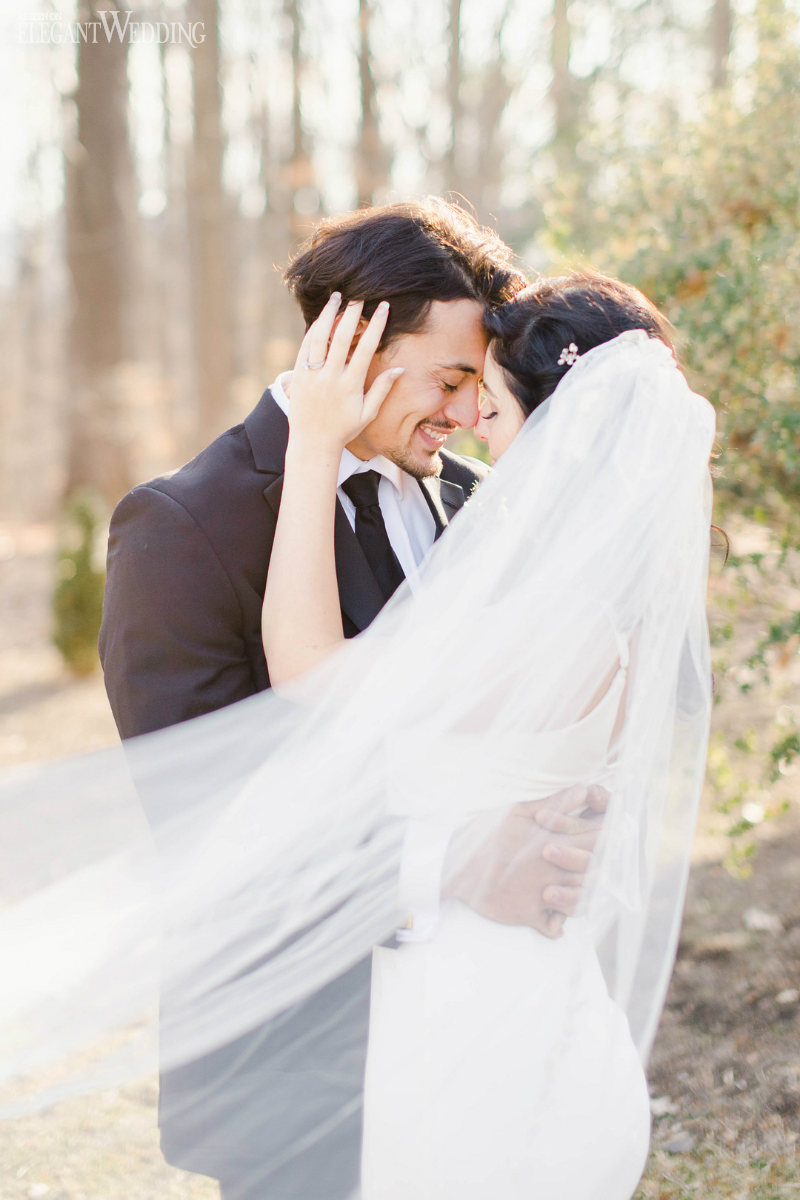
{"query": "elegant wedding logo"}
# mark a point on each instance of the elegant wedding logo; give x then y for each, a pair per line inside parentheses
(50, 29)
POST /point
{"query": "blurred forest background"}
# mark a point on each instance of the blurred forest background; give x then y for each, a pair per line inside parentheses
(154, 187)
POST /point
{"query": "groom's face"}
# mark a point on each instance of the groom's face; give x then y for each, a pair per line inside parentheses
(436, 394)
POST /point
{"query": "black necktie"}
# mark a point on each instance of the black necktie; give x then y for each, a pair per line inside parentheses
(371, 531)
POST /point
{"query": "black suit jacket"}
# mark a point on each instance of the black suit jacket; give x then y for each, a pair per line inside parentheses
(187, 563)
(181, 636)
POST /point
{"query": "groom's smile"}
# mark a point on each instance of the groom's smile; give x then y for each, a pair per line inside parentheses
(435, 435)
(437, 393)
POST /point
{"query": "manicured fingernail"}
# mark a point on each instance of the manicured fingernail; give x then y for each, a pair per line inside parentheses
(396, 372)
(383, 304)
(335, 296)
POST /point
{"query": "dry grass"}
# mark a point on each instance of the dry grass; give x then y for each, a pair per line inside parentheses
(100, 1147)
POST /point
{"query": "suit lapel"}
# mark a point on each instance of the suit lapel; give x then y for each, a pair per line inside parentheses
(267, 429)
(444, 500)
(268, 432)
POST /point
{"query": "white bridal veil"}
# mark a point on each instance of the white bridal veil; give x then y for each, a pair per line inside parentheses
(229, 869)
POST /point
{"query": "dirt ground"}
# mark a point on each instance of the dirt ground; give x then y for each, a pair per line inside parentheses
(725, 1071)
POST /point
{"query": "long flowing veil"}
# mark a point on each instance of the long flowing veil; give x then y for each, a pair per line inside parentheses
(231, 869)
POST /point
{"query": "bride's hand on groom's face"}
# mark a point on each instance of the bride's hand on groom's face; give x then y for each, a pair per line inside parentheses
(531, 869)
(330, 403)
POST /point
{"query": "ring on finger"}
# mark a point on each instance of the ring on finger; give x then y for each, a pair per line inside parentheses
(309, 366)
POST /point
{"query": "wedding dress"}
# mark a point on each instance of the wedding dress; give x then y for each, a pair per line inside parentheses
(267, 864)
(498, 1063)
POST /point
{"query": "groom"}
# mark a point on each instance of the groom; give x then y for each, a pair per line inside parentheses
(187, 564)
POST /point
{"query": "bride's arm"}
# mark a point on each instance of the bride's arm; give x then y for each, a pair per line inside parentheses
(301, 622)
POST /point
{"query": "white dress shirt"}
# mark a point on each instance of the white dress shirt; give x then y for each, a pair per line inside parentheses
(408, 519)
(411, 530)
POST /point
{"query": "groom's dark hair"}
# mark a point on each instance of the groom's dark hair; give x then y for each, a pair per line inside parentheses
(409, 254)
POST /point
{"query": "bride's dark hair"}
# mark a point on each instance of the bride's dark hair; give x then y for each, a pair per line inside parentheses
(583, 309)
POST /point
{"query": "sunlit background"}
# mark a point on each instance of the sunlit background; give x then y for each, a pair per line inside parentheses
(159, 166)
(153, 188)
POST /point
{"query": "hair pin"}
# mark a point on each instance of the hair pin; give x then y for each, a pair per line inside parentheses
(569, 355)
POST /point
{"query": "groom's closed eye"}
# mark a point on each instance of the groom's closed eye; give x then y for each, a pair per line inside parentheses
(452, 385)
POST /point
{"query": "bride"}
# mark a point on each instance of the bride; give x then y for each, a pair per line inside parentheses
(555, 637)
(498, 1062)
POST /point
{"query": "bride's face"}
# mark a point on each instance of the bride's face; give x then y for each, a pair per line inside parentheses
(501, 416)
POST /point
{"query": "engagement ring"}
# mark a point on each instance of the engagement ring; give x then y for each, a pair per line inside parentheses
(309, 366)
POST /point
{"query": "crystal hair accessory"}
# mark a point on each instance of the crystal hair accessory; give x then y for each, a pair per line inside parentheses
(568, 355)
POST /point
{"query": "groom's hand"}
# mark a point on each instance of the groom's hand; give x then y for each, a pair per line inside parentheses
(530, 869)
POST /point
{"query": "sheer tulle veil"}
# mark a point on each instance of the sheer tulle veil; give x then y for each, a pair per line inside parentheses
(231, 867)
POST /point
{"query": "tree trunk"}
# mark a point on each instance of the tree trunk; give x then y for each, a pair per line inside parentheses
(171, 286)
(370, 159)
(488, 167)
(100, 226)
(303, 196)
(721, 32)
(453, 164)
(562, 87)
(208, 234)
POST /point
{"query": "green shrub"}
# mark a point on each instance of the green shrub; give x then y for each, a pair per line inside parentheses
(78, 594)
(704, 217)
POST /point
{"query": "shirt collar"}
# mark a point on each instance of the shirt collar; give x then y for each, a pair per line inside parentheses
(278, 390)
(349, 464)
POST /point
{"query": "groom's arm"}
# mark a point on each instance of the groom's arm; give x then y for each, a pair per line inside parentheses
(170, 644)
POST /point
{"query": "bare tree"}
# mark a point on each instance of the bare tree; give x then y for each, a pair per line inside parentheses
(278, 228)
(563, 87)
(371, 158)
(100, 225)
(299, 169)
(453, 163)
(170, 272)
(287, 175)
(208, 240)
(721, 35)
(477, 97)
(496, 90)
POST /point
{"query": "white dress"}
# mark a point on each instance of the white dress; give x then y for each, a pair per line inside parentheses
(497, 1063)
